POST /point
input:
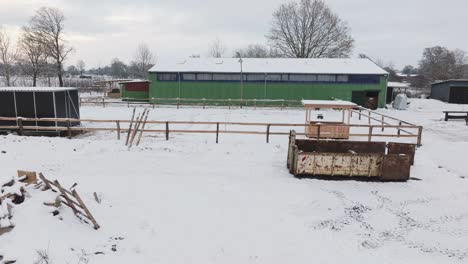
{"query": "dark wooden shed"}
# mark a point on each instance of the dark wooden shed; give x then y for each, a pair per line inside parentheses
(451, 91)
(39, 102)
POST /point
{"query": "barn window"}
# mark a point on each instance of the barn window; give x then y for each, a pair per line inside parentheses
(274, 77)
(226, 77)
(204, 77)
(364, 79)
(254, 77)
(326, 78)
(342, 78)
(189, 76)
(302, 78)
(167, 76)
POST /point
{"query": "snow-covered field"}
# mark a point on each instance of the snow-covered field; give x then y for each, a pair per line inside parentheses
(189, 200)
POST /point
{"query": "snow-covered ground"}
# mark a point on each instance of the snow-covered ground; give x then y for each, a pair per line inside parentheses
(189, 200)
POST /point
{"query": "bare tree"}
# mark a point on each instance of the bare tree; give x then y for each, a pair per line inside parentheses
(118, 69)
(409, 69)
(143, 60)
(47, 27)
(256, 51)
(440, 63)
(33, 56)
(217, 49)
(8, 56)
(309, 29)
(81, 66)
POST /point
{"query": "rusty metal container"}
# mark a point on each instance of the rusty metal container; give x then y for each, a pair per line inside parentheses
(377, 160)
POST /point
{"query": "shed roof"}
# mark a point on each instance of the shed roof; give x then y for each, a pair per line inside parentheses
(336, 104)
(36, 89)
(451, 81)
(398, 85)
(270, 65)
(135, 81)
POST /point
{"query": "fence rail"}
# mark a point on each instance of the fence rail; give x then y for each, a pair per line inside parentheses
(401, 130)
(203, 102)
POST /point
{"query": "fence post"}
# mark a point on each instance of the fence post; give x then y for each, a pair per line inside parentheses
(20, 126)
(118, 129)
(370, 133)
(370, 117)
(360, 113)
(178, 102)
(255, 104)
(167, 130)
(103, 103)
(318, 132)
(399, 131)
(282, 104)
(217, 132)
(69, 128)
(420, 130)
(204, 102)
(268, 134)
(229, 100)
(383, 121)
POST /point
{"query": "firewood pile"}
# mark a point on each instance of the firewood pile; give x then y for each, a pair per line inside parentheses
(13, 192)
(20, 187)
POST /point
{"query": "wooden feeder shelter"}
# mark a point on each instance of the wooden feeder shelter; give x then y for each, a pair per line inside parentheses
(327, 129)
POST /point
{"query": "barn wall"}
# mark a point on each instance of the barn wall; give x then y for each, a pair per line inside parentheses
(258, 90)
(7, 108)
(451, 92)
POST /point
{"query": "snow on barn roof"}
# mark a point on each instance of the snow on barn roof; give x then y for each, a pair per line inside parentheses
(270, 65)
(36, 89)
(398, 85)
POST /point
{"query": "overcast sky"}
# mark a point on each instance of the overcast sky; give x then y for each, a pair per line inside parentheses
(395, 31)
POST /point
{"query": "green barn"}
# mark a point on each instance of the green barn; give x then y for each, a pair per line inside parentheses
(358, 80)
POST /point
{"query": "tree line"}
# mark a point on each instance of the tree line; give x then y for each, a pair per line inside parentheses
(41, 50)
(302, 29)
(310, 29)
(142, 61)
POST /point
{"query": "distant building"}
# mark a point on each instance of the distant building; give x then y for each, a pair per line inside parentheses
(356, 80)
(451, 91)
(393, 88)
(135, 90)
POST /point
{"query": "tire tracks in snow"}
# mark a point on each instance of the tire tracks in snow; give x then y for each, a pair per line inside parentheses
(373, 237)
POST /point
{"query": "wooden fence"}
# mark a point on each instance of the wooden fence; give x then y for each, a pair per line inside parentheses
(178, 102)
(400, 130)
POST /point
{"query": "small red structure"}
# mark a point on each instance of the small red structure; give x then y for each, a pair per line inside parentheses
(135, 90)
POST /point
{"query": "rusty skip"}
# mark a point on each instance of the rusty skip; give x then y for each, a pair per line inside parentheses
(378, 160)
